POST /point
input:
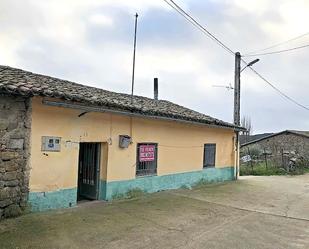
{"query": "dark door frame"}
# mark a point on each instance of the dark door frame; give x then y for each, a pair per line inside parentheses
(85, 188)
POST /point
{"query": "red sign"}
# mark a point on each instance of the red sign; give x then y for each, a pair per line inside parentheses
(147, 153)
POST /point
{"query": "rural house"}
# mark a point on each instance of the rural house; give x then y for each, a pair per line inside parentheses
(281, 146)
(62, 142)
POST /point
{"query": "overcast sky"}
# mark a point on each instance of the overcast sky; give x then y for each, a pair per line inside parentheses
(90, 42)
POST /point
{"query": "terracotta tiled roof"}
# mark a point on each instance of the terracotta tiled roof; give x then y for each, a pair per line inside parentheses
(20, 82)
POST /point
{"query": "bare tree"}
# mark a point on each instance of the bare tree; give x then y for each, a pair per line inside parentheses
(246, 123)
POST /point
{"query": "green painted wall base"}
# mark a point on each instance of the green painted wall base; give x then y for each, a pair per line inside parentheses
(150, 184)
(41, 201)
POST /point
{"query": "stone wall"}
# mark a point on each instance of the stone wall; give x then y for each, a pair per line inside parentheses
(286, 142)
(15, 124)
(279, 150)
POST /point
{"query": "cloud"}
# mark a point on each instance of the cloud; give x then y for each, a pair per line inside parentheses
(100, 20)
(91, 42)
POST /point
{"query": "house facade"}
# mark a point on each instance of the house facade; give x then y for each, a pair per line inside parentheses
(80, 142)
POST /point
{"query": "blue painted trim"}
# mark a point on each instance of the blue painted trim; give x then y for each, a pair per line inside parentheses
(41, 201)
(150, 184)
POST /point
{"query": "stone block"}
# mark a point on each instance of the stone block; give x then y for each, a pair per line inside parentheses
(4, 123)
(12, 211)
(17, 133)
(20, 175)
(10, 165)
(21, 162)
(12, 183)
(4, 193)
(9, 176)
(16, 143)
(8, 155)
(5, 203)
(2, 145)
(24, 189)
(12, 126)
(9, 192)
(6, 114)
(20, 105)
(24, 199)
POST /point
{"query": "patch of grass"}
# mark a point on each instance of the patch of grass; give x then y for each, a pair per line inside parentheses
(261, 170)
(134, 193)
(186, 186)
(118, 196)
(27, 209)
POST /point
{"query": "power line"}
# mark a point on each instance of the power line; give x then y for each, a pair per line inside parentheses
(276, 88)
(278, 44)
(277, 52)
(189, 18)
(193, 21)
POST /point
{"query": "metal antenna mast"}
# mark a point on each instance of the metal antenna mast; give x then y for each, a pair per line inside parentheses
(133, 72)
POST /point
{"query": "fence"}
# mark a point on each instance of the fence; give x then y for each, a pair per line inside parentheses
(285, 160)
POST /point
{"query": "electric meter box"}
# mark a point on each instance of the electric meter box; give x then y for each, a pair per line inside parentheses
(51, 143)
(124, 141)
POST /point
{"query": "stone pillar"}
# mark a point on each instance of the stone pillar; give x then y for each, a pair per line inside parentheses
(15, 124)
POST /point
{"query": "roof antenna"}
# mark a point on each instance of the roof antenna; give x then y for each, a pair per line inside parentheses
(229, 87)
(133, 71)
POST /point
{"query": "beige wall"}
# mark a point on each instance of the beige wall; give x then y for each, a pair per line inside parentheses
(180, 145)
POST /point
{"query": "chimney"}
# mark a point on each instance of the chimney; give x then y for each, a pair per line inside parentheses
(155, 88)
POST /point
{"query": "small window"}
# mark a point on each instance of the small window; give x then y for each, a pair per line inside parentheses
(146, 159)
(209, 155)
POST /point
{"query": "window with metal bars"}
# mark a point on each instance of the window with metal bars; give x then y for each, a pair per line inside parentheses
(209, 155)
(146, 163)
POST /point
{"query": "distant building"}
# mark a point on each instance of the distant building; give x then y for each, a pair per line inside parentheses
(243, 139)
(288, 142)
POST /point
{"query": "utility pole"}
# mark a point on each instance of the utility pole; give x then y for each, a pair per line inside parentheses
(237, 90)
(237, 107)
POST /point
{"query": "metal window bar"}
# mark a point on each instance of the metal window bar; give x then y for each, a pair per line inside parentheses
(146, 167)
(89, 154)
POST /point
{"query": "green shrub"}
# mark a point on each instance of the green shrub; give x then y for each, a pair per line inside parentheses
(301, 167)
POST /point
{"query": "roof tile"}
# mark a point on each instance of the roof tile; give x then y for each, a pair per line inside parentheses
(17, 81)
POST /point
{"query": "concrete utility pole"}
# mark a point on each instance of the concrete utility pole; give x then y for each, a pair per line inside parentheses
(238, 71)
(237, 90)
(237, 107)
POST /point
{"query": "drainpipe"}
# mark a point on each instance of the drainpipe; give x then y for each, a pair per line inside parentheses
(236, 156)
